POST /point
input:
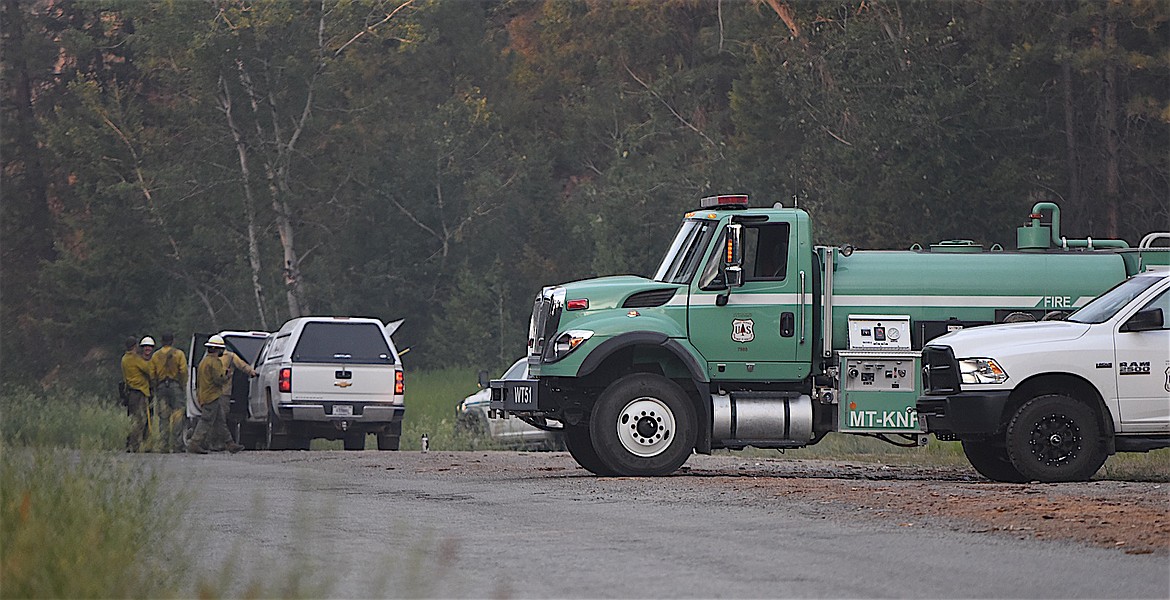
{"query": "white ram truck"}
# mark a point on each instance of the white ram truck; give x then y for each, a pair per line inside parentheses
(1050, 401)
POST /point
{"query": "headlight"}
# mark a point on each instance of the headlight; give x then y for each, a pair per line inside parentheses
(981, 370)
(568, 342)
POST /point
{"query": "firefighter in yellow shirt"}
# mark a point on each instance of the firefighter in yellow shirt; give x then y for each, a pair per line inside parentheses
(137, 373)
(213, 392)
(170, 370)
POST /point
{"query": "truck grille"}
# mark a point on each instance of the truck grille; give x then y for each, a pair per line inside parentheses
(546, 316)
(940, 370)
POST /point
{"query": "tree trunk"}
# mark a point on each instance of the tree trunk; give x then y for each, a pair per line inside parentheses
(1070, 137)
(29, 205)
(249, 202)
(1112, 134)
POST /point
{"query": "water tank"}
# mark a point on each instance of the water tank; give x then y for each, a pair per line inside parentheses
(966, 287)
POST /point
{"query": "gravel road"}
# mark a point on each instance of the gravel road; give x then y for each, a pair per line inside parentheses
(521, 525)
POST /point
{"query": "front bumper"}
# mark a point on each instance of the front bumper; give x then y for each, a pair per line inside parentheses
(963, 414)
(529, 396)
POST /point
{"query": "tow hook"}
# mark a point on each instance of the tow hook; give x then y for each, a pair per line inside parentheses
(345, 425)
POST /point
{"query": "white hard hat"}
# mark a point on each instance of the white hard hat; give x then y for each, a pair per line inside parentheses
(146, 341)
(215, 341)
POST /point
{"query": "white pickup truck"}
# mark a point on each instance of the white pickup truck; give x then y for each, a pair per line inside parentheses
(328, 377)
(1050, 401)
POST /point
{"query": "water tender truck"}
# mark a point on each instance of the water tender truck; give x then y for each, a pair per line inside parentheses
(748, 334)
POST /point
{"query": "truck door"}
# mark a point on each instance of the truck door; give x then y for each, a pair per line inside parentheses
(756, 334)
(194, 355)
(1143, 374)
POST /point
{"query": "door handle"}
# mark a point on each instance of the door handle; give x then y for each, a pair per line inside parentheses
(787, 324)
(802, 307)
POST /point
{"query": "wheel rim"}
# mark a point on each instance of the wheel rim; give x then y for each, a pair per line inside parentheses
(645, 426)
(1055, 439)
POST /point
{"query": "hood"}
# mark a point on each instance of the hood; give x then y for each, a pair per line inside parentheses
(612, 292)
(980, 341)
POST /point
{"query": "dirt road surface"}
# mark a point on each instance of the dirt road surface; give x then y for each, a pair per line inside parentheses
(521, 525)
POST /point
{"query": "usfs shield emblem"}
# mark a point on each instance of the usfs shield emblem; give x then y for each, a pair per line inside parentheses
(743, 330)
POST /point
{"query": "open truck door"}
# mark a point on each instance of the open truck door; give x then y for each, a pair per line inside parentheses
(195, 353)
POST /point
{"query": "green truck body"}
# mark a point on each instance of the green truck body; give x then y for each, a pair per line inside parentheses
(748, 334)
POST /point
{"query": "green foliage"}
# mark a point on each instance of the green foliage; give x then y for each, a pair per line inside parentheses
(61, 418)
(195, 166)
(86, 526)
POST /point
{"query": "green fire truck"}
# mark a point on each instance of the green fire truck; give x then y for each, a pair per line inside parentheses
(749, 335)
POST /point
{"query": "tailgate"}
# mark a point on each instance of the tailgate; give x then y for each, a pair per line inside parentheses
(355, 383)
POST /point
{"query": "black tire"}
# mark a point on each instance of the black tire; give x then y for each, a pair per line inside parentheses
(992, 462)
(643, 425)
(276, 432)
(354, 441)
(580, 447)
(387, 441)
(1055, 438)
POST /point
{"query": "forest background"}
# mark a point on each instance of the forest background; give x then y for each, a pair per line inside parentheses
(217, 164)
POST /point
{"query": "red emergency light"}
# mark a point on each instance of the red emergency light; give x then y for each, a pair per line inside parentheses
(731, 201)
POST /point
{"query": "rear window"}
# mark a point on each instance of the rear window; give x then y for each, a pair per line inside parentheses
(343, 342)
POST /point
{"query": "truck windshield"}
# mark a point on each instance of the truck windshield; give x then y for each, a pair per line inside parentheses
(1103, 307)
(686, 252)
(343, 342)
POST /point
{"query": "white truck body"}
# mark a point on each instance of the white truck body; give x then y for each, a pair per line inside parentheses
(1112, 356)
(329, 377)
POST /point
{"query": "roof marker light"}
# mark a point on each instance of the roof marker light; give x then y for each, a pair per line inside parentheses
(730, 201)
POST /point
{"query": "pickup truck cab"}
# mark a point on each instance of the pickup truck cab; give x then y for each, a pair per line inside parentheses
(328, 377)
(1050, 401)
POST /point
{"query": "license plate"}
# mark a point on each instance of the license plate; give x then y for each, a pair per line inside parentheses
(521, 395)
(342, 410)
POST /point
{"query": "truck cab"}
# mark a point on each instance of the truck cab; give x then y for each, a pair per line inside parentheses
(1050, 401)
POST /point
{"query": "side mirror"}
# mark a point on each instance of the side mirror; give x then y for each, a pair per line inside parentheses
(484, 382)
(733, 252)
(1149, 319)
(733, 256)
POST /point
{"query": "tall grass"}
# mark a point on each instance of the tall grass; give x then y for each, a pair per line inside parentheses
(76, 525)
(75, 522)
(61, 418)
(431, 400)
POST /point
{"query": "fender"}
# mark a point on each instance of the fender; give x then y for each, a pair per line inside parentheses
(642, 338)
(680, 351)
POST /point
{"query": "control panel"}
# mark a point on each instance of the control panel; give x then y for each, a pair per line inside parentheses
(878, 390)
(879, 332)
(879, 374)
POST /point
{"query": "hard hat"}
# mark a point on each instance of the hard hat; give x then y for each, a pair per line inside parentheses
(215, 341)
(146, 341)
